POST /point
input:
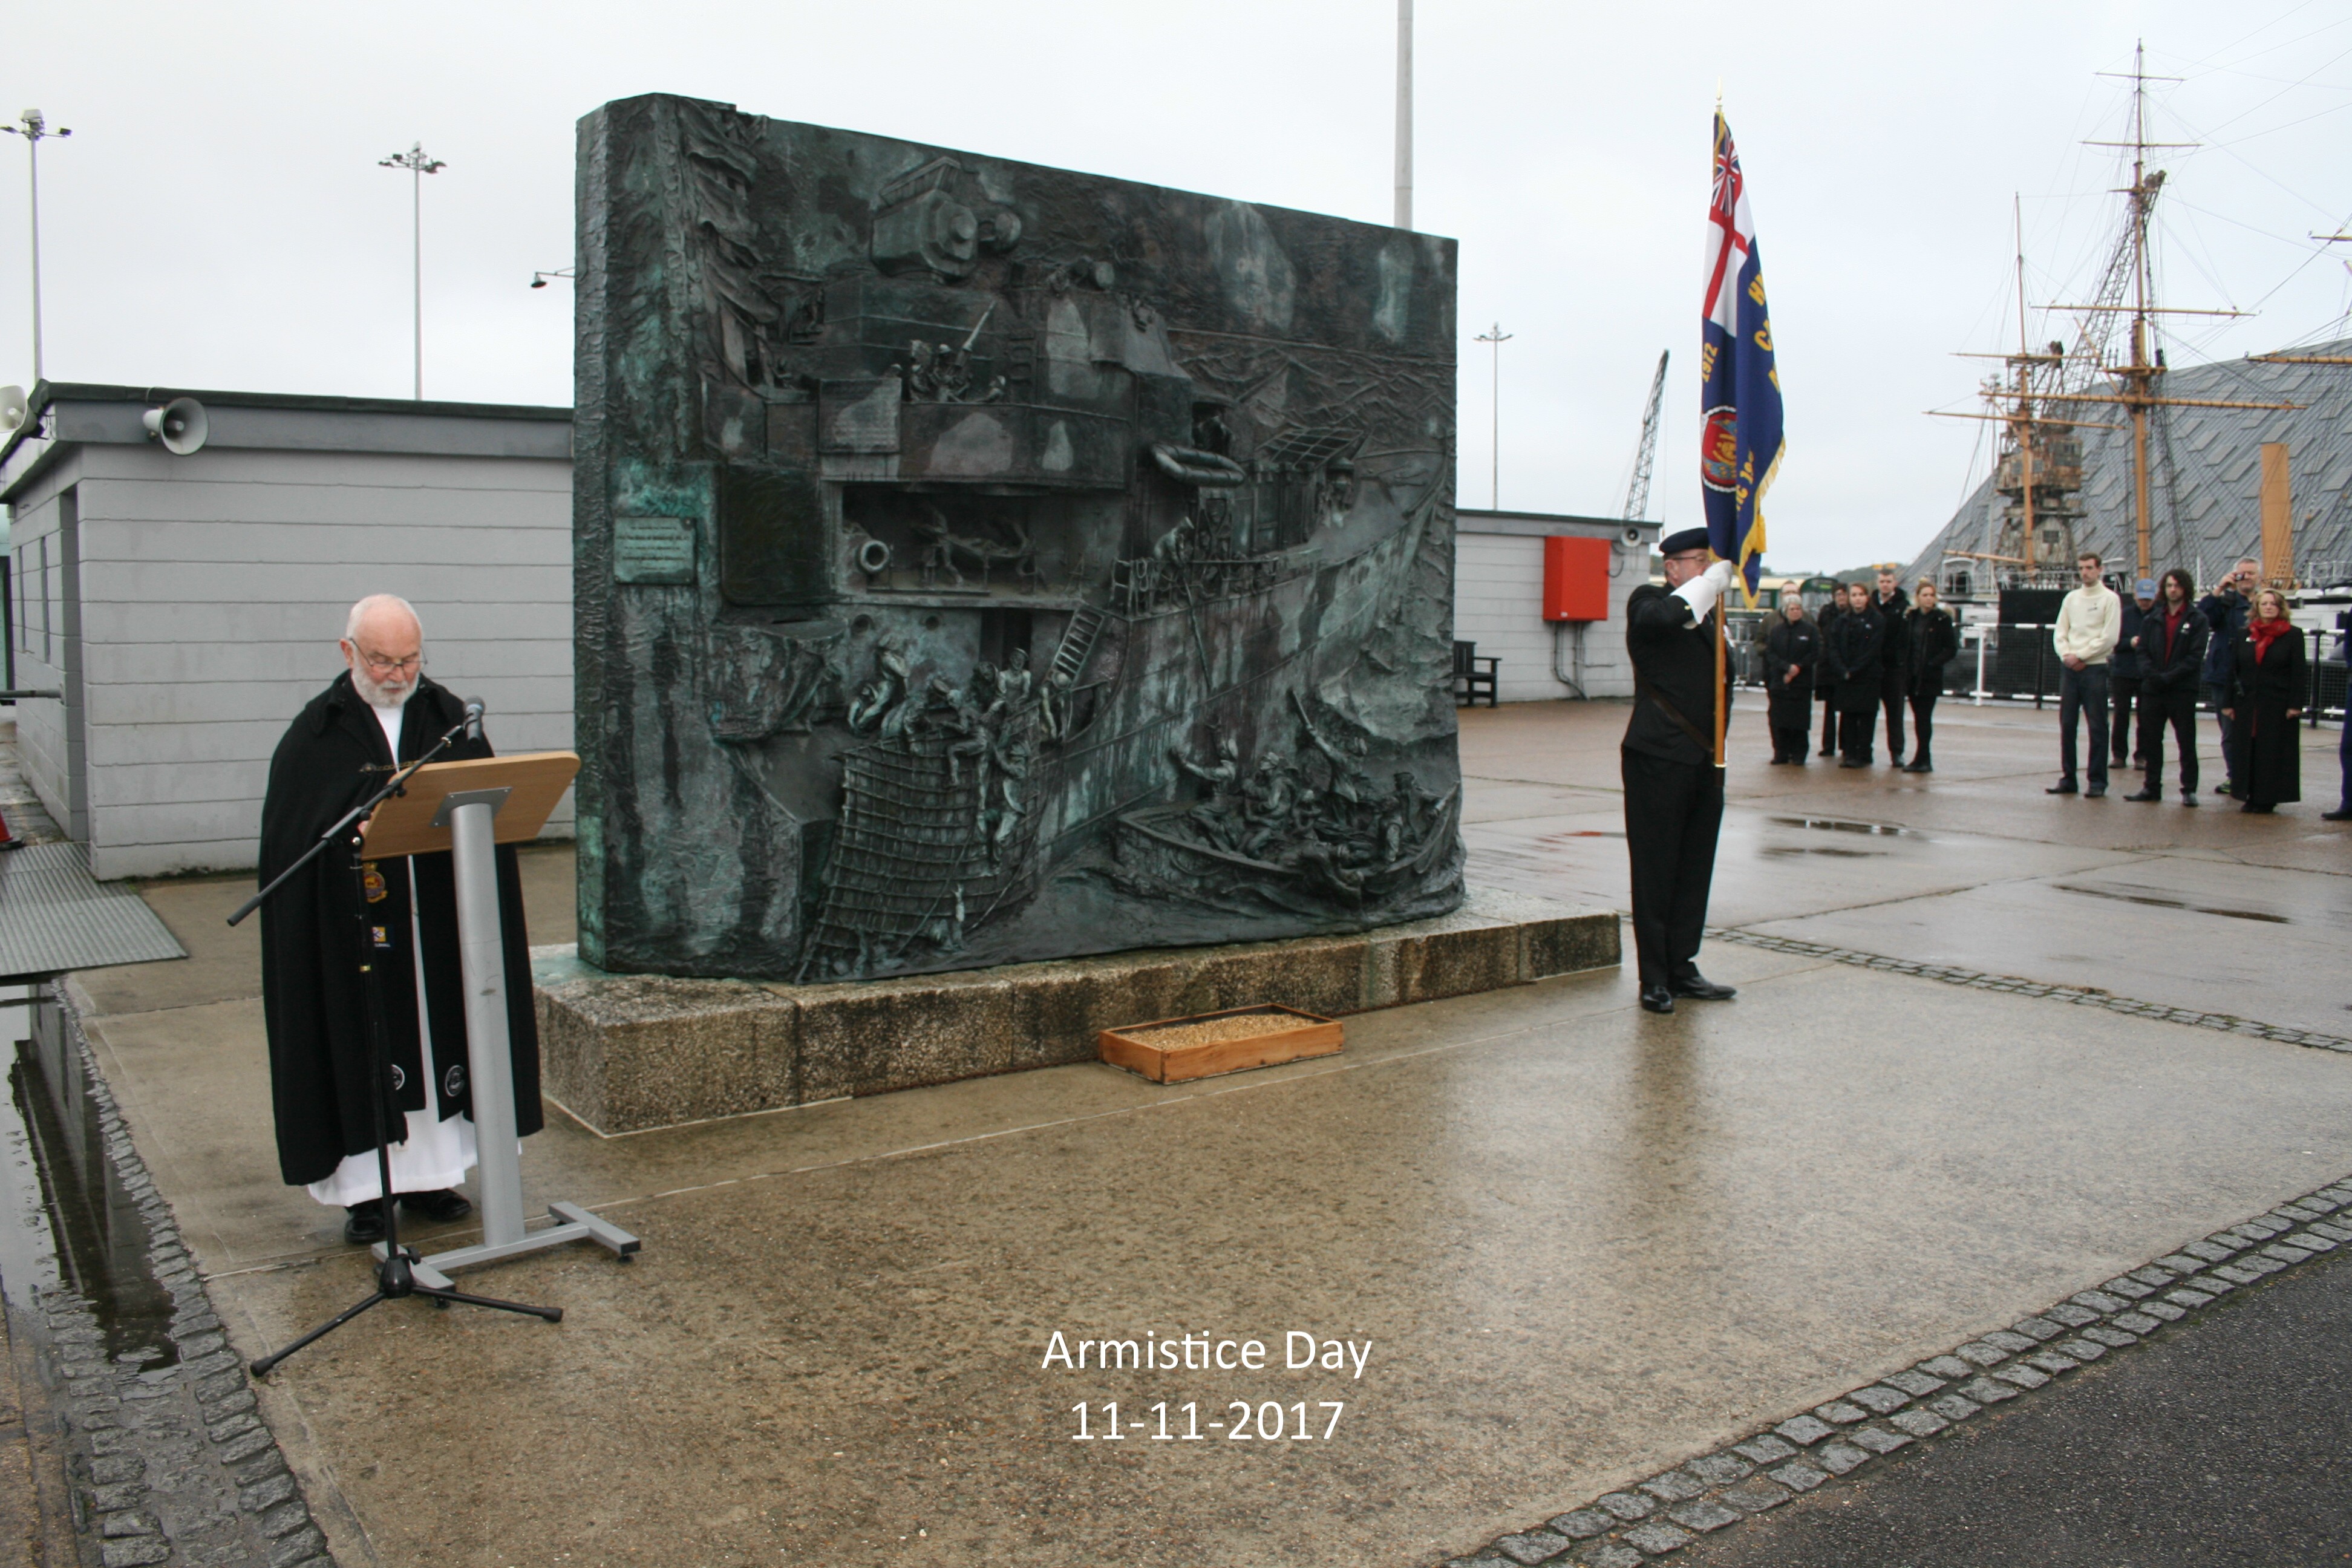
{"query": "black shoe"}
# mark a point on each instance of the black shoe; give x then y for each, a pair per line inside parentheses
(2343, 815)
(2147, 794)
(444, 1207)
(2225, 787)
(2095, 792)
(1893, 759)
(1850, 763)
(2064, 787)
(2188, 797)
(1699, 988)
(1919, 767)
(1658, 999)
(363, 1223)
(1829, 751)
(2258, 810)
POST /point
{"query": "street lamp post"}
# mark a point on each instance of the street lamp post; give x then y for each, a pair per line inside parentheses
(419, 164)
(1497, 336)
(32, 127)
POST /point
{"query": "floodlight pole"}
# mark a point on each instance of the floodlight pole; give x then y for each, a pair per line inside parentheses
(419, 164)
(1405, 115)
(32, 127)
(1497, 336)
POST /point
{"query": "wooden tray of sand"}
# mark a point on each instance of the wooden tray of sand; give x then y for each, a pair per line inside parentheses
(1172, 1050)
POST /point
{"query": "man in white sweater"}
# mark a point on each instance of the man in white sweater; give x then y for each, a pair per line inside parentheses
(2090, 622)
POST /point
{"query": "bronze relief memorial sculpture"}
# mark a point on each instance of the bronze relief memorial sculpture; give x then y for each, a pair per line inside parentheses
(979, 562)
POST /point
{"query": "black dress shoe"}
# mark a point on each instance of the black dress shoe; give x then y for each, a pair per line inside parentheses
(363, 1223)
(2343, 815)
(2064, 787)
(2147, 794)
(1919, 767)
(1658, 999)
(2188, 797)
(1699, 988)
(1850, 763)
(2095, 792)
(444, 1207)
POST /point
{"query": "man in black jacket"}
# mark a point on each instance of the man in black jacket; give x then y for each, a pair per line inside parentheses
(1893, 607)
(1674, 791)
(380, 711)
(1825, 684)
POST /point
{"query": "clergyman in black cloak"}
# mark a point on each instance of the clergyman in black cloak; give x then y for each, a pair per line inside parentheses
(334, 756)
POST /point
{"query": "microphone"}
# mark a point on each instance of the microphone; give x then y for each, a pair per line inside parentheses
(473, 718)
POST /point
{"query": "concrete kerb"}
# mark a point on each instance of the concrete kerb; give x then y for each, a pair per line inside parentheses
(1835, 1438)
(172, 1463)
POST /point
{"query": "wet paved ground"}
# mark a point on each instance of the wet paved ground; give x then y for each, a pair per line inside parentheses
(2225, 1446)
(1583, 1243)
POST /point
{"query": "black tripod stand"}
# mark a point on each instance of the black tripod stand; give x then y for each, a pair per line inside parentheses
(394, 1273)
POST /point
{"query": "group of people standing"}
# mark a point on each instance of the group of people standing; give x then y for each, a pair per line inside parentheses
(2154, 656)
(1869, 651)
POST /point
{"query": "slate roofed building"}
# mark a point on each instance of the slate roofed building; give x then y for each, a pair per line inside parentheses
(2205, 470)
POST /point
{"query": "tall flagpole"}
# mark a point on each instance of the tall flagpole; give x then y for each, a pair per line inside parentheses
(1722, 696)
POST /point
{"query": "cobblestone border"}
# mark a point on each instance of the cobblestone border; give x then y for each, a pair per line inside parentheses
(2082, 996)
(1669, 1510)
(170, 1465)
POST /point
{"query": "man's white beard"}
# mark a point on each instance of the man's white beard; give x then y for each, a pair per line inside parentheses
(382, 693)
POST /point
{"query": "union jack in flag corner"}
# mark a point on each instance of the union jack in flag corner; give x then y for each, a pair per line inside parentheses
(1739, 390)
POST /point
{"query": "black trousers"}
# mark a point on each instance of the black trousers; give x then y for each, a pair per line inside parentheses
(1854, 726)
(1829, 726)
(1788, 743)
(1923, 721)
(1893, 687)
(2123, 695)
(1672, 813)
(2176, 708)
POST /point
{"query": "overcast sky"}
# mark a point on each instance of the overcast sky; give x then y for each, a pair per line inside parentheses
(217, 219)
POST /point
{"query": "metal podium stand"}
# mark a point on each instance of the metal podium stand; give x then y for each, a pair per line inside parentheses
(466, 810)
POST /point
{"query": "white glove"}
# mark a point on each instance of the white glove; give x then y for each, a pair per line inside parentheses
(1702, 591)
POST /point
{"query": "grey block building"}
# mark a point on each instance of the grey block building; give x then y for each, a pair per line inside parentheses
(184, 607)
(1499, 585)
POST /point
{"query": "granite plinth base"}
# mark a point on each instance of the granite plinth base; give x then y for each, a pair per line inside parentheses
(626, 1053)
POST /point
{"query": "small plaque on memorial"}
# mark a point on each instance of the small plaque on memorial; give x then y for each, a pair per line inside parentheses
(652, 550)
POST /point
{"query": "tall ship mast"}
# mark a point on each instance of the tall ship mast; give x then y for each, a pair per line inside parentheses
(2042, 398)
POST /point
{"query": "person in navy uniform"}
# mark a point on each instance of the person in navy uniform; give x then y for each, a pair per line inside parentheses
(1674, 791)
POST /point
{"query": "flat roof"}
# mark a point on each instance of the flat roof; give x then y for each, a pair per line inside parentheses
(66, 413)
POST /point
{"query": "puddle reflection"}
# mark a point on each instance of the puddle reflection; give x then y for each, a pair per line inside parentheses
(1836, 824)
(53, 1168)
(2160, 902)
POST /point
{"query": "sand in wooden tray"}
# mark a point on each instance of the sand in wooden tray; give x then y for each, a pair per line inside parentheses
(1175, 1037)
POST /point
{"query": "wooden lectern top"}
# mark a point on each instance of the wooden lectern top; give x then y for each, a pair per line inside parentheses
(537, 780)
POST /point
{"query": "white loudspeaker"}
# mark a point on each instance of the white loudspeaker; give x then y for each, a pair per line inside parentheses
(13, 408)
(179, 425)
(1632, 535)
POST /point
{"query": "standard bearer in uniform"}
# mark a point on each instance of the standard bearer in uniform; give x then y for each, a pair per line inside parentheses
(1674, 791)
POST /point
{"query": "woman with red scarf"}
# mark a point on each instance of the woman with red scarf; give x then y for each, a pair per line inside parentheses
(2269, 680)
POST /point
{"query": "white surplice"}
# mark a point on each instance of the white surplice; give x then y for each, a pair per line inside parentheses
(437, 1153)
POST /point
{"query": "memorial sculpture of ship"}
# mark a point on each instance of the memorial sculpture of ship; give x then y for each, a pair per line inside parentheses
(984, 563)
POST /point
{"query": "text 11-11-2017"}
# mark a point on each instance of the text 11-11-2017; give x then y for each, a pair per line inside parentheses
(1100, 1422)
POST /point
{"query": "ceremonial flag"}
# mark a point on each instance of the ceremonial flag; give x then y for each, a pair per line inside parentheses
(1740, 390)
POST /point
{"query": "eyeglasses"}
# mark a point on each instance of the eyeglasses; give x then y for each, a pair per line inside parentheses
(378, 665)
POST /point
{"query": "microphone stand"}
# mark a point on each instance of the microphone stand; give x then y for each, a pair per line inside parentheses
(395, 1272)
